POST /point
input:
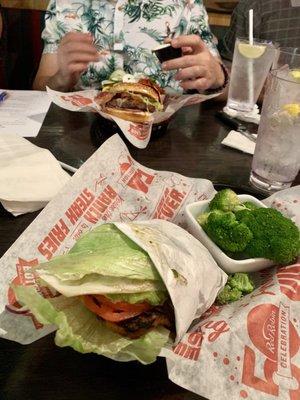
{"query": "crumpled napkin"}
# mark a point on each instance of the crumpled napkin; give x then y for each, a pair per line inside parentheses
(29, 175)
(238, 141)
(250, 116)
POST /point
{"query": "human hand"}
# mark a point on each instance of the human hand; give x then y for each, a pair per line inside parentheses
(75, 52)
(197, 68)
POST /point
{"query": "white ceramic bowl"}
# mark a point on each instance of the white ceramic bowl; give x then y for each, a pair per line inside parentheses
(228, 264)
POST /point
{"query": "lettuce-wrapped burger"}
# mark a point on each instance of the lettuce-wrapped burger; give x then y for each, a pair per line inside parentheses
(113, 301)
(112, 289)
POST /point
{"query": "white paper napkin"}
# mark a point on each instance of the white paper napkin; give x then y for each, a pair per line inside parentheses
(238, 141)
(23, 112)
(250, 116)
(29, 175)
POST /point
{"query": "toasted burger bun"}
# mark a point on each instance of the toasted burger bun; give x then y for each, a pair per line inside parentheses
(138, 88)
(128, 114)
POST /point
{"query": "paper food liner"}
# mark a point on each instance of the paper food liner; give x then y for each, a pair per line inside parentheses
(137, 134)
(247, 349)
(110, 186)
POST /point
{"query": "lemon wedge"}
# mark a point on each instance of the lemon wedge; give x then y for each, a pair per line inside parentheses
(293, 109)
(296, 75)
(251, 51)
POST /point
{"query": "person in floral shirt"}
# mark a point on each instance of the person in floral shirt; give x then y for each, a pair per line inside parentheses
(86, 40)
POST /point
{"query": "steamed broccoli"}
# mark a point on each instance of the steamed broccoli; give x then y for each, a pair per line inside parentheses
(202, 218)
(224, 200)
(259, 245)
(241, 281)
(250, 206)
(237, 285)
(229, 234)
(228, 295)
(247, 230)
(274, 236)
(228, 200)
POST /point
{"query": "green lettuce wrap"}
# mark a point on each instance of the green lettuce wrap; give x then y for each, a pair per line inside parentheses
(104, 262)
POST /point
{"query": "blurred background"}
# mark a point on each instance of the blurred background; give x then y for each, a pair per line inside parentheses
(21, 44)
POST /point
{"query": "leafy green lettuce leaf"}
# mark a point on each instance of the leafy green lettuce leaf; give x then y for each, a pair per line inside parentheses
(103, 238)
(99, 284)
(104, 260)
(149, 101)
(155, 298)
(80, 329)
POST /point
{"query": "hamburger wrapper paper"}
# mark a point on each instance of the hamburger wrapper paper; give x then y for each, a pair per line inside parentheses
(192, 282)
(137, 134)
(111, 186)
(249, 349)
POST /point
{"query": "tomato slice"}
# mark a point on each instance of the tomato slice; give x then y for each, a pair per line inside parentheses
(113, 312)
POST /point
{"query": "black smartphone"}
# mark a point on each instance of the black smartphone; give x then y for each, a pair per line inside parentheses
(166, 52)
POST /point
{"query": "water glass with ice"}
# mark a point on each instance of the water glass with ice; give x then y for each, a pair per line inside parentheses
(250, 67)
(276, 160)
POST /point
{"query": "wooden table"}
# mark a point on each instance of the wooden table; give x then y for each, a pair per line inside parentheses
(42, 371)
(25, 4)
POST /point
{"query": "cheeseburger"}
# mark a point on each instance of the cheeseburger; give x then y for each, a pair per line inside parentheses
(132, 101)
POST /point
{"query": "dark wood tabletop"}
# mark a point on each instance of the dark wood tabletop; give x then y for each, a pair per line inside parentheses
(41, 371)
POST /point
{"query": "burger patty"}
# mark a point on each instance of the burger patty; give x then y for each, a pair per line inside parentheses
(146, 320)
(124, 100)
(137, 326)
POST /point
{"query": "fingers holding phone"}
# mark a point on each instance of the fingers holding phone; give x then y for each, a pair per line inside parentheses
(197, 67)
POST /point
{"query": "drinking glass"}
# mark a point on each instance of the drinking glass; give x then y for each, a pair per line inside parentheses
(276, 160)
(287, 57)
(250, 67)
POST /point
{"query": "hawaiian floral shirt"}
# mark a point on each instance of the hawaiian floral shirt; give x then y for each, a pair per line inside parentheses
(128, 30)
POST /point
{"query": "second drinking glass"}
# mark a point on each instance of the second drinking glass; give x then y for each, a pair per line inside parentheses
(250, 67)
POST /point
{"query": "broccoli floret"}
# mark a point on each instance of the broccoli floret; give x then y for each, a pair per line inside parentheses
(202, 218)
(250, 206)
(284, 250)
(259, 246)
(241, 281)
(228, 295)
(228, 200)
(274, 236)
(229, 234)
(237, 284)
(244, 215)
(250, 230)
(225, 200)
